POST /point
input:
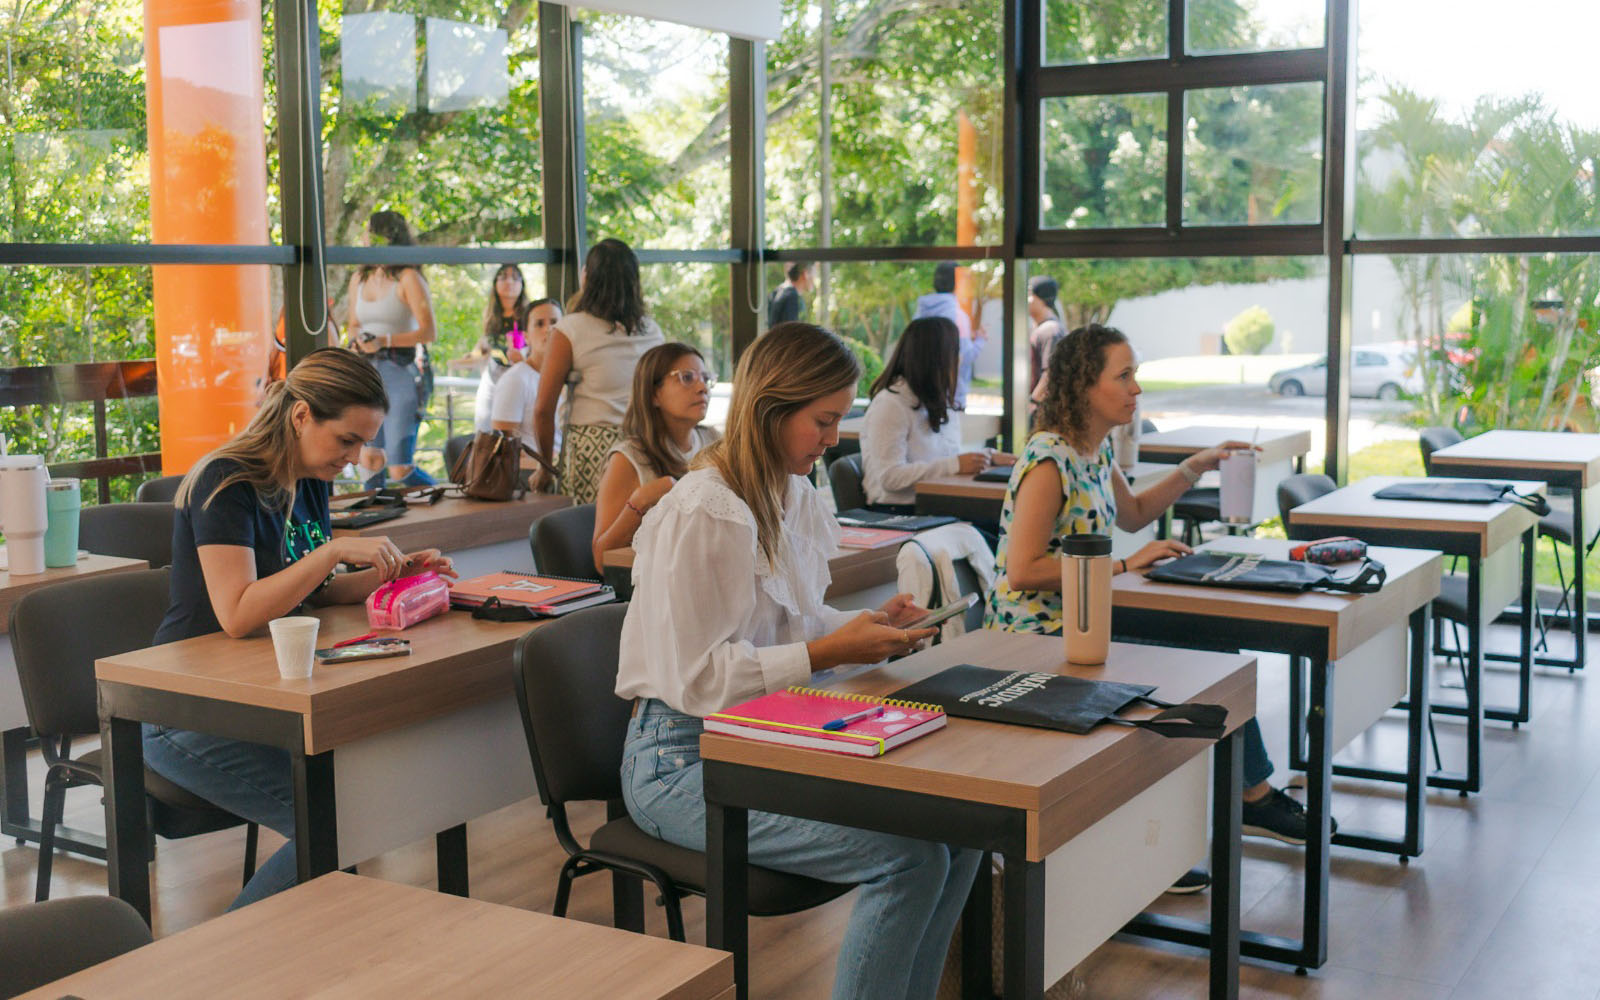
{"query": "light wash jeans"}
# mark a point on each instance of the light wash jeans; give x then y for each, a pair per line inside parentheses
(911, 891)
(247, 779)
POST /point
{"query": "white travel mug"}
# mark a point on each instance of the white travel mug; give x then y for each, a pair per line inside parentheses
(1086, 597)
(24, 515)
(1238, 487)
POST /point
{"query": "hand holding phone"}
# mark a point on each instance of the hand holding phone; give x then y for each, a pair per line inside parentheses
(956, 607)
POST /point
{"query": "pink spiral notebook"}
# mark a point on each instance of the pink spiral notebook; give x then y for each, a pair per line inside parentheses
(797, 717)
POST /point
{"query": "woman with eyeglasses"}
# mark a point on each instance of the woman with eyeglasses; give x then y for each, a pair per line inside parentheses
(912, 429)
(661, 433)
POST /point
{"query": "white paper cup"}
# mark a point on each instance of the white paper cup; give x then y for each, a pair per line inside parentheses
(1238, 487)
(294, 640)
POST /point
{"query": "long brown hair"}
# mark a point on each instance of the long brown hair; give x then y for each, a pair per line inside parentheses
(1076, 363)
(926, 356)
(390, 227)
(787, 369)
(643, 423)
(611, 289)
(493, 314)
(328, 380)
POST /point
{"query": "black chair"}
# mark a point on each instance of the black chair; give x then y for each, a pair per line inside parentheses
(454, 449)
(161, 489)
(1197, 506)
(57, 633)
(43, 942)
(1297, 490)
(1432, 439)
(566, 675)
(844, 476)
(563, 543)
(131, 530)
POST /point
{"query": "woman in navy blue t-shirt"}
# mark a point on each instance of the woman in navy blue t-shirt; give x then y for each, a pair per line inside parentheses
(252, 542)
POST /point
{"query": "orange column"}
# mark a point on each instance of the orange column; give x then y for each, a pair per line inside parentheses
(966, 202)
(208, 184)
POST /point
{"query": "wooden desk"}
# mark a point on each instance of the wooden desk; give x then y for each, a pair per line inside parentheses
(975, 500)
(479, 535)
(1485, 535)
(1366, 635)
(405, 730)
(352, 936)
(15, 818)
(1065, 811)
(861, 578)
(1569, 462)
(1283, 453)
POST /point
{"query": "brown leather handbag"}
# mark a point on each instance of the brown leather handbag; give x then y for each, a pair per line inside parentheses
(490, 468)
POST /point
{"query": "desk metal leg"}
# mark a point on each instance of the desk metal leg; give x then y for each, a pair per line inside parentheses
(1579, 615)
(1525, 665)
(727, 892)
(1227, 781)
(127, 833)
(1023, 950)
(977, 935)
(1474, 692)
(1319, 800)
(450, 855)
(1297, 713)
(316, 818)
(14, 805)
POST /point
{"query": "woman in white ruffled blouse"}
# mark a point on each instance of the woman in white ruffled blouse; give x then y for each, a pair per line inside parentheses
(729, 577)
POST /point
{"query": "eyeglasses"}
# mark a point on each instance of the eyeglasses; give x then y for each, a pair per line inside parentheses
(689, 376)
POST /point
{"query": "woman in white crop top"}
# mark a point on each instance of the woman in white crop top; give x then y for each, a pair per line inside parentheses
(596, 346)
(729, 577)
(661, 434)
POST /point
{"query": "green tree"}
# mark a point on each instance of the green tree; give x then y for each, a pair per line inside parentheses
(1249, 332)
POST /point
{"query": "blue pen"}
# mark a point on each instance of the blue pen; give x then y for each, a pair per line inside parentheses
(866, 713)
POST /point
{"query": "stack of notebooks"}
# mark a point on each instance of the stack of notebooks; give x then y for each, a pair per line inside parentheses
(547, 596)
(828, 720)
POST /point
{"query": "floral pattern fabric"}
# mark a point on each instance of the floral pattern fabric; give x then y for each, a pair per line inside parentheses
(1089, 506)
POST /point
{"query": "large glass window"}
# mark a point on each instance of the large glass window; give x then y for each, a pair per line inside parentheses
(1076, 32)
(1253, 155)
(690, 303)
(1214, 27)
(915, 114)
(655, 99)
(432, 111)
(1104, 161)
(1477, 125)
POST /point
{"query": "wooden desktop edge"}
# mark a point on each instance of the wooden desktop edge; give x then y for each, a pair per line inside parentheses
(462, 523)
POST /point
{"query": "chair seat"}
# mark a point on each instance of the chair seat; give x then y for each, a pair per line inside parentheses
(1451, 604)
(175, 812)
(772, 893)
(1203, 503)
(1558, 523)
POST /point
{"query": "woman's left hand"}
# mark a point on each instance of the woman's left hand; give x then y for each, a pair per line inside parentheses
(1211, 458)
(902, 610)
(432, 560)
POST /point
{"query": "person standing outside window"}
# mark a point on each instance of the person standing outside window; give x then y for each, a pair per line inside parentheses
(787, 303)
(942, 301)
(390, 317)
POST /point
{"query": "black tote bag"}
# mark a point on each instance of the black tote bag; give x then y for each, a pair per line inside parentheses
(1250, 571)
(1476, 491)
(1056, 701)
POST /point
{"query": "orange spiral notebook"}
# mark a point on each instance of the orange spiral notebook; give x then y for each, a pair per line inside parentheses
(871, 538)
(800, 716)
(519, 588)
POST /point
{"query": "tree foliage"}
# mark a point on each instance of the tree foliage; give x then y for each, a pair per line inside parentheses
(1249, 332)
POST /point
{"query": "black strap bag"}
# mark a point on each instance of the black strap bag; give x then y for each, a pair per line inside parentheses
(1252, 571)
(1057, 701)
(1464, 491)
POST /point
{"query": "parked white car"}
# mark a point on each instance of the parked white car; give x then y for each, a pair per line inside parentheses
(1383, 374)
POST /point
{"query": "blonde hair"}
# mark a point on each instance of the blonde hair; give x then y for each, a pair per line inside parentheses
(788, 368)
(327, 380)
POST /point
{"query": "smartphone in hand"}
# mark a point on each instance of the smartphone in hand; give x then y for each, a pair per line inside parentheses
(956, 607)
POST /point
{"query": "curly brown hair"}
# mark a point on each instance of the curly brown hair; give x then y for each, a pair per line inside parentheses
(1076, 363)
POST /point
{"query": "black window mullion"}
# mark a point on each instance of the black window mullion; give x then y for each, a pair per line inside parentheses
(1188, 72)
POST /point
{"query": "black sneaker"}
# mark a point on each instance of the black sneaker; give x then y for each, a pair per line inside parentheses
(1278, 816)
(1192, 881)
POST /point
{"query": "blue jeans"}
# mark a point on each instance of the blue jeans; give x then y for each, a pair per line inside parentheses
(247, 779)
(398, 435)
(911, 891)
(1257, 765)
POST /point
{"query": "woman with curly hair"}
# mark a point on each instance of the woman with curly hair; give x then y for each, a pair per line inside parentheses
(1066, 483)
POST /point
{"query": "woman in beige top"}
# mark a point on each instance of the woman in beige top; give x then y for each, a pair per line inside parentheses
(661, 433)
(596, 347)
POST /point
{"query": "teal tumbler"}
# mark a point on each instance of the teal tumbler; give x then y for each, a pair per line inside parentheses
(62, 500)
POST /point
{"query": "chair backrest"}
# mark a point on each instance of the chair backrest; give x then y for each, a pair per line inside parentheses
(844, 475)
(453, 449)
(967, 580)
(1148, 426)
(566, 679)
(1296, 490)
(1432, 439)
(131, 530)
(43, 942)
(57, 632)
(563, 542)
(161, 489)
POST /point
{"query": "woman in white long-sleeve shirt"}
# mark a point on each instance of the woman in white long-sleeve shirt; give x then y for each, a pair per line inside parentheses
(729, 576)
(912, 430)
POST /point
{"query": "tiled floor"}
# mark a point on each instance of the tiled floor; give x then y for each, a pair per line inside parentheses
(1503, 903)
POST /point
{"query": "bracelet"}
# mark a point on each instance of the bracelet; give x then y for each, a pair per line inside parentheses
(1124, 567)
(629, 504)
(1188, 473)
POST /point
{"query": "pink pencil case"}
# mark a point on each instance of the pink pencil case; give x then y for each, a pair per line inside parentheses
(404, 602)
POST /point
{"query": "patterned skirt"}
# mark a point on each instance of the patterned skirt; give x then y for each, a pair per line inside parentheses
(583, 459)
